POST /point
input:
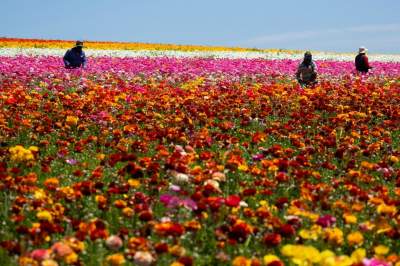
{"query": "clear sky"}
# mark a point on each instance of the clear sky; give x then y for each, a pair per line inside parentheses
(335, 25)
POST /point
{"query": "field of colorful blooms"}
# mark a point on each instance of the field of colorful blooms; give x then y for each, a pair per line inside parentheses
(27, 47)
(197, 161)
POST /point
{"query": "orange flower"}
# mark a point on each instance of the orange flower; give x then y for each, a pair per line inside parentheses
(71, 120)
(241, 261)
(355, 238)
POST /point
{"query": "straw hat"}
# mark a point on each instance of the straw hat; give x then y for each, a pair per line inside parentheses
(362, 50)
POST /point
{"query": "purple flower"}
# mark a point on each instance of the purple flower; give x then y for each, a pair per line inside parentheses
(71, 161)
(171, 201)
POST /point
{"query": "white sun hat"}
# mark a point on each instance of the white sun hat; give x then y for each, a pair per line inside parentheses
(362, 50)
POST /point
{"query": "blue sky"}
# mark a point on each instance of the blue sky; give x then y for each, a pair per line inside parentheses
(337, 25)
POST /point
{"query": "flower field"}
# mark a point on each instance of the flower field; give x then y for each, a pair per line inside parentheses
(170, 160)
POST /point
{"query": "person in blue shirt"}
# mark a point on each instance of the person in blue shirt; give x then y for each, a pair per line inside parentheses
(75, 57)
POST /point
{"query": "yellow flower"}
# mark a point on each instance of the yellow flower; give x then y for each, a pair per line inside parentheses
(313, 233)
(334, 235)
(71, 258)
(327, 258)
(381, 250)
(33, 148)
(386, 209)
(243, 167)
(349, 218)
(44, 216)
(355, 238)
(39, 194)
(71, 120)
(302, 255)
(394, 159)
(358, 255)
(49, 262)
(20, 154)
(270, 258)
(115, 259)
(343, 261)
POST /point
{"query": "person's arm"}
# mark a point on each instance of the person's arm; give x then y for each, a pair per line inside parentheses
(84, 60)
(315, 68)
(66, 58)
(314, 73)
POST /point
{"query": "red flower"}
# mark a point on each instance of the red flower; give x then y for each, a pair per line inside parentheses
(272, 239)
(145, 216)
(232, 201)
(161, 248)
(287, 230)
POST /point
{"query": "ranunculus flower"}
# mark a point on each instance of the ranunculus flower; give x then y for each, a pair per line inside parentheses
(114, 242)
(40, 254)
(61, 249)
(143, 258)
(232, 201)
(326, 220)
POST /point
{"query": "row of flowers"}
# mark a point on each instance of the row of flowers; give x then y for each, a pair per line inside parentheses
(62, 44)
(188, 67)
(14, 47)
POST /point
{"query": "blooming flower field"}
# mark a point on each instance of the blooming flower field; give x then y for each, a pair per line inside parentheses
(182, 160)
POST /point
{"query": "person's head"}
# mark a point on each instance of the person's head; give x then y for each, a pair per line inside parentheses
(362, 50)
(307, 58)
(79, 45)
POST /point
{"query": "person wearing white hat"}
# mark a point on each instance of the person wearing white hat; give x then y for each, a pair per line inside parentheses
(361, 61)
(75, 57)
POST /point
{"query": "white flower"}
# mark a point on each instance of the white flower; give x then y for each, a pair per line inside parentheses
(143, 258)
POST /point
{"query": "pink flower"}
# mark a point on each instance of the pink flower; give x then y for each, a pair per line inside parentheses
(61, 249)
(114, 242)
(40, 254)
(171, 201)
(375, 262)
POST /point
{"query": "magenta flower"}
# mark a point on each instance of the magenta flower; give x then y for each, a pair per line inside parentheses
(326, 220)
(375, 262)
(171, 201)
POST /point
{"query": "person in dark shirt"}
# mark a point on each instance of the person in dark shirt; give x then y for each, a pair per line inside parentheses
(307, 71)
(361, 61)
(75, 57)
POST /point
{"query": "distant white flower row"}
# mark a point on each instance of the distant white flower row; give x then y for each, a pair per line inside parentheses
(183, 54)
